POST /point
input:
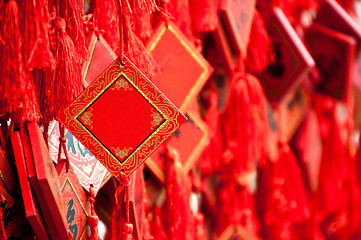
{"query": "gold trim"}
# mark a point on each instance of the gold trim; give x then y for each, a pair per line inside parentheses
(193, 53)
(143, 94)
(81, 204)
(76, 194)
(204, 141)
(93, 42)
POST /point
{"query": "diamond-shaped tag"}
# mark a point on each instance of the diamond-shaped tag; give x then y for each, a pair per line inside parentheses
(121, 118)
(334, 53)
(292, 60)
(237, 16)
(188, 142)
(184, 70)
(74, 201)
(88, 169)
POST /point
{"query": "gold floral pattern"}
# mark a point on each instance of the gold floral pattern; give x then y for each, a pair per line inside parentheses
(121, 153)
(86, 118)
(157, 119)
(173, 118)
(121, 83)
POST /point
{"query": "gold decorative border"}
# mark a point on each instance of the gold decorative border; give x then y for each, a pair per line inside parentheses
(173, 117)
(93, 42)
(81, 204)
(159, 173)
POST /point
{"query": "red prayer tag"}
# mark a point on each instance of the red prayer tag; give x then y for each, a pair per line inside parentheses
(74, 201)
(293, 111)
(237, 16)
(236, 232)
(121, 118)
(47, 182)
(101, 56)
(85, 166)
(13, 214)
(292, 60)
(31, 208)
(184, 70)
(188, 142)
(334, 54)
(332, 15)
(228, 53)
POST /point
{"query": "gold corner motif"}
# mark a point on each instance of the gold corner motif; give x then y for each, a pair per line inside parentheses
(121, 153)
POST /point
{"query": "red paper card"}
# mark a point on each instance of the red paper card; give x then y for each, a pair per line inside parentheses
(101, 56)
(184, 71)
(226, 52)
(87, 168)
(31, 208)
(293, 111)
(235, 232)
(188, 142)
(237, 16)
(121, 118)
(332, 15)
(74, 201)
(292, 63)
(48, 180)
(13, 214)
(29, 158)
(334, 54)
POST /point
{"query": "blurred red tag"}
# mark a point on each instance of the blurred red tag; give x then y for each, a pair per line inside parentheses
(47, 183)
(184, 70)
(121, 118)
(332, 15)
(226, 52)
(85, 166)
(188, 142)
(293, 111)
(31, 208)
(334, 54)
(11, 201)
(237, 16)
(101, 56)
(292, 60)
(235, 232)
(74, 201)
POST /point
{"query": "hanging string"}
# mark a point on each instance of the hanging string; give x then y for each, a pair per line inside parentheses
(93, 218)
(62, 145)
(121, 227)
(127, 226)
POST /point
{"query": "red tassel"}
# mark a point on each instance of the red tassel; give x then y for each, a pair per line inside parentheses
(105, 18)
(93, 218)
(204, 15)
(121, 227)
(337, 199)
(259, 51)
(35, 27)
(67, 78)
(157, 226)
(178, 190)
(281, 197)
(72, 13)
(141, 7)
(17, 96)
(245, 125)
